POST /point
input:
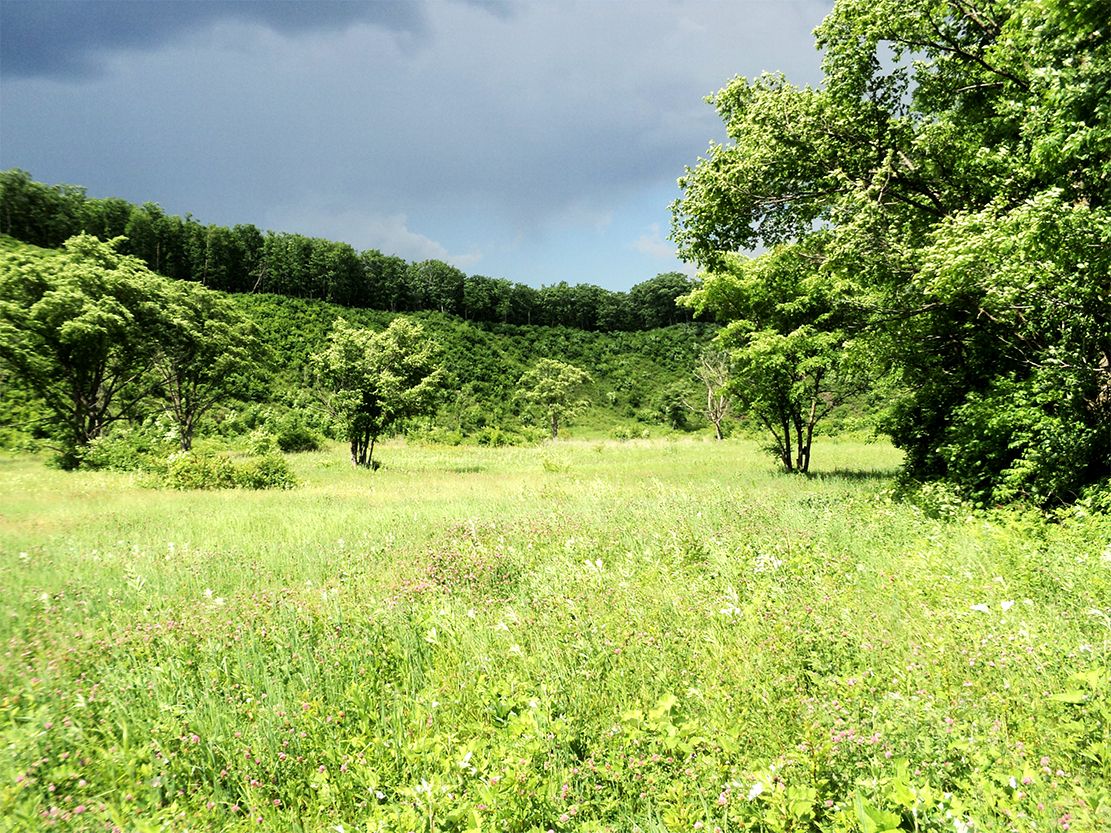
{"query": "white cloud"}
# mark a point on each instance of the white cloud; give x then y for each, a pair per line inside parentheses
(653, 244)
(389, 233)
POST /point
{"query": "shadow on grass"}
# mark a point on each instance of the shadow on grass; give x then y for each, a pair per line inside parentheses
(855, 475)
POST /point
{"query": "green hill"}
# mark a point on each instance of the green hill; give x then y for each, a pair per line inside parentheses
(638, 377)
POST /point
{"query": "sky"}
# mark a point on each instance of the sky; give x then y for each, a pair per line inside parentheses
(535, 141)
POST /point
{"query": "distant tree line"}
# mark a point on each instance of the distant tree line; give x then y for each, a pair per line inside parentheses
(244, 259)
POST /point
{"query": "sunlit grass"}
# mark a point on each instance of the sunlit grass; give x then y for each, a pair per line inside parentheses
(585, 635)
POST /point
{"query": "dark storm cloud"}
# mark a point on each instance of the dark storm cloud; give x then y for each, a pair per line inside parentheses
(69, 38)
(549, 132)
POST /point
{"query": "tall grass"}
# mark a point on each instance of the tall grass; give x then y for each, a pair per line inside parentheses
(652, 635)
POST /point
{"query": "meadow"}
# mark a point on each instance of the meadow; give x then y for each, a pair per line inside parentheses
(583, 636)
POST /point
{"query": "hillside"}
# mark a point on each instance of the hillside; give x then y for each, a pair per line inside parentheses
(636, 375)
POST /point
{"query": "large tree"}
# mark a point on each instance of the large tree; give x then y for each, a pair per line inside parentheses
(80, 329)
(374, 381)
(947, 134)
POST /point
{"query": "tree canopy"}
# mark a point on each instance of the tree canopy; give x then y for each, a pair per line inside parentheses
(956, 162)
(555, 389)
(100, 338)
(375, 381)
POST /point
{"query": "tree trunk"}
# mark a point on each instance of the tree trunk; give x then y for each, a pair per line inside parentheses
(788, 463)
(555, 427)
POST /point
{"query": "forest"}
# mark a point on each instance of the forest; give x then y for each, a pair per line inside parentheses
(244, 259)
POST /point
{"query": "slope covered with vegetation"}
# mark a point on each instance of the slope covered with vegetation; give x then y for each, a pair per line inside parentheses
(640, 380)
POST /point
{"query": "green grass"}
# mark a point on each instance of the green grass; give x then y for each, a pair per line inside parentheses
(652, 635)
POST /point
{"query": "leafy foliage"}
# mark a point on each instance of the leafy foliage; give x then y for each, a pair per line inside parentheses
(792, 354)
(79, 329)
(98, 337)
(554, 388)
(189, 470)
(955, 164)
(375, 381)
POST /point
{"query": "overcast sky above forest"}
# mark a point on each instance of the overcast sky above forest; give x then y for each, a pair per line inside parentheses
(537, 141)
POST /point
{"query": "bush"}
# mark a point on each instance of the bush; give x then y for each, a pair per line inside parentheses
(293, 433)
(218, 471)
(126, 449)
(268, 472)
(294, 438)
(261, 442)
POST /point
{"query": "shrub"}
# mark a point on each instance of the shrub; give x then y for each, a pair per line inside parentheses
(261, 442)
(268, 472)
(127, 449)
(293, 433)
(218, 471)
(293, 438)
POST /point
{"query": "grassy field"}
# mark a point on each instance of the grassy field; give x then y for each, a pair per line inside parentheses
(647, 635)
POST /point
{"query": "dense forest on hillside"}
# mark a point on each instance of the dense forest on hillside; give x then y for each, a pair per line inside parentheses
(637, 379)
(244, 259)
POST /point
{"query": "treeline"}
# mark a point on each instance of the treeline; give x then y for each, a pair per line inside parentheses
(242, 258)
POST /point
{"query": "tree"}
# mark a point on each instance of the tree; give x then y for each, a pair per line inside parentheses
(438, 285)
(79, 328)
(554, 388)
(936, 116)
(713, 372)
(205, 348)
(374, 381)
(790, 345)
(654, 300)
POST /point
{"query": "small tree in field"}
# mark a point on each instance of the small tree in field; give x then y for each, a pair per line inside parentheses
(713, 372)
(789, 335)
(374, 381)
(554, 388)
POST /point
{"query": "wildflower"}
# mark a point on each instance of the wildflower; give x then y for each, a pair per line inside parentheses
(1007, 605)
(982, 608)
(756, 789)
